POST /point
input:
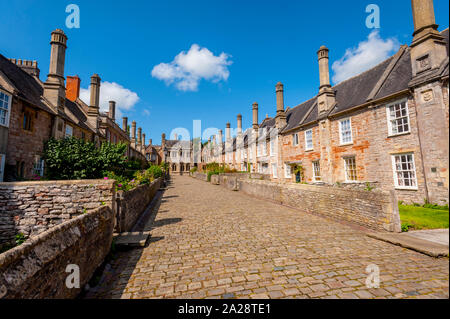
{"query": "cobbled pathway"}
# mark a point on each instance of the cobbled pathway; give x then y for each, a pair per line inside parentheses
(209, 242)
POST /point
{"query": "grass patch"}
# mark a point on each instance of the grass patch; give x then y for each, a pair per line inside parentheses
(416, 217)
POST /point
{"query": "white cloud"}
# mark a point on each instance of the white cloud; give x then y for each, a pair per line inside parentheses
(111, 91)
(146, 112)
(368, 54)
(188, 68)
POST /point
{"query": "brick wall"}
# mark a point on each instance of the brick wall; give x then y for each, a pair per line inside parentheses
(37, 268)
(33, 207)
(131, 204)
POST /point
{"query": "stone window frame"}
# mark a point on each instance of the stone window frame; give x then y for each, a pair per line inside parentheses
(307, 140)
(413, 169)
(349, 119)
(316, 169)
(352, 177)
(38, 166)
(391, 133)
(26, 120)
(5, 107)
(287, 170)
(274, 170)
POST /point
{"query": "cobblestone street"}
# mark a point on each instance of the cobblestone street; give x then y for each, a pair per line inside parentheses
(209, 242)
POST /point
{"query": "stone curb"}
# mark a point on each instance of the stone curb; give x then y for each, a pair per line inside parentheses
(404, 240)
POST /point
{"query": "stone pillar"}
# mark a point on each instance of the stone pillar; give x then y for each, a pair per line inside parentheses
(112, 110)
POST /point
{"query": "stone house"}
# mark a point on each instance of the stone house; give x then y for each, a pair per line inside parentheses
(33, 111)
(178, 154)
(386, 127)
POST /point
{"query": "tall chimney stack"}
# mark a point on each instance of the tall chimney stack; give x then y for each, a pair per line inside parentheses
(112, 110)
(143, 140)
(133, 132)
(326, 98)
(280, 118)
(139, 137)
(228, 132)
(54, 89)
(125, 124)
(150, 142)
(255, 116)
(163, 139)
(428, 48)
(220, 137)
(239, 124)
(94, 104)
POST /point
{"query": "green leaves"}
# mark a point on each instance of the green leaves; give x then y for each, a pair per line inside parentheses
(73, 158)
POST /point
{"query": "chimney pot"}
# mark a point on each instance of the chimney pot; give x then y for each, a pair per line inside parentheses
(73, 87)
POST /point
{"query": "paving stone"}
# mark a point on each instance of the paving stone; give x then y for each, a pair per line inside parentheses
(209, 240)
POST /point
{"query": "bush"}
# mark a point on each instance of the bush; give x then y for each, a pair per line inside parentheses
(73, 158)
(406, 227)
(155, 171)
(194, 169)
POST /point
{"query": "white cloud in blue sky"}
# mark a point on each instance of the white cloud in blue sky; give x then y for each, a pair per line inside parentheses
(111, 91)
(368, 54)
(189, 68)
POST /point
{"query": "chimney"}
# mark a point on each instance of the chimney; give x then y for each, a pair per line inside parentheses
(428, 48)
(143, 140)
(139, 137)
(326, 97)
(280, 118)
(73, 87)
(228, 132)
(239, 124)
(175, 137)
(150, 142)
(220, 138)
(112, 110)
(133, 132)
(163, 139)
(54, 89)
(255, 116)
(125, 124)
(31, 67)
(94, 104)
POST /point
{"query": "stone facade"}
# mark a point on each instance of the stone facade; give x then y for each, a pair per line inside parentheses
(31, 208)
(37, 269)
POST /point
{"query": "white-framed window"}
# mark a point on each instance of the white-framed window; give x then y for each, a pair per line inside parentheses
(295, 139)
(2, 166)
(272, 147)
(287, 171)
(350, 169)
(38, 167)
(398, 118)
(69, 131)
(404, 171)
(5, 106)
(309, 140)
(345, 131)
(316, 171)
(264, 148)
(274, 170)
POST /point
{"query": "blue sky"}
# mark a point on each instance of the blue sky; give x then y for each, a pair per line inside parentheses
(244, 49)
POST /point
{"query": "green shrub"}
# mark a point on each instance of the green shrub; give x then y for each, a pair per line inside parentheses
(406, 227)
(155, 171)
(194, 169)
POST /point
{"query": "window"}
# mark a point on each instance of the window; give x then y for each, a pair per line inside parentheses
(274, 171)
(398, 118)
(264, 148)
(5, 101)
(69, 132)
(345, 131)
(2, 166)
(295, 139)
(20, 169)
(404, 171)
(272, 147)
(26, 124)
(309, 140)
(38, 168)
(350, 169)
(316, 171)
(287, 171)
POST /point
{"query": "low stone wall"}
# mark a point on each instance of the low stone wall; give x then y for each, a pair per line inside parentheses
(37, 268)
(33, 207)
(200, 176)
(372, 209)
(131, 204)
(259, 176)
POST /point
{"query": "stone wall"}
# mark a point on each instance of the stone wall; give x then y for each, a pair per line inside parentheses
(37, 268)
(376, 210)
(33, 207)
(200, 176)
(131, 204)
